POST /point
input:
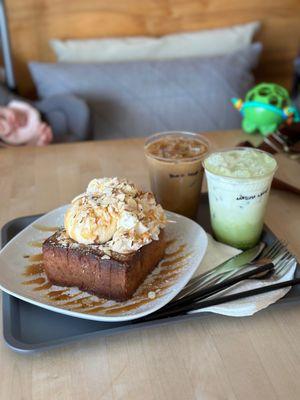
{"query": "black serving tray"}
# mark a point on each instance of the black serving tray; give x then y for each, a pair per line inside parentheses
(28, 328)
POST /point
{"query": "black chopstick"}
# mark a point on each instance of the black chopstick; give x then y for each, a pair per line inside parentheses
(209, 291)
(229, 298)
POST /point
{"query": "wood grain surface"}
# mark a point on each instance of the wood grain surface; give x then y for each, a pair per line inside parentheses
(213, 358)
(34, 22)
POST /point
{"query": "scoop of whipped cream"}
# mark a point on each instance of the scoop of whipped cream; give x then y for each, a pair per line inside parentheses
(114, 212)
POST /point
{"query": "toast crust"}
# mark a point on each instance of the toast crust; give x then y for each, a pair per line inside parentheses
(115, 277)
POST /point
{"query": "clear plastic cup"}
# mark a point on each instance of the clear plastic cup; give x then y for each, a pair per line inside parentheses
(238, 204)
(176, 182)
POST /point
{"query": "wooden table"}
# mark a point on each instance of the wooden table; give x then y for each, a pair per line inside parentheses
(211, 358)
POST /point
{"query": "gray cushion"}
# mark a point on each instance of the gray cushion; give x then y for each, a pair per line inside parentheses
(68, 116)
(140, 97)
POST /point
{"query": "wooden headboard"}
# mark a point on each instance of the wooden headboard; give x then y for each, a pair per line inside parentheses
(34, 22)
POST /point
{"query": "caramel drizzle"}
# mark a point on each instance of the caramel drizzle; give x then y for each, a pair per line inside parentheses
(46, 285)
(169, 269)
(35, 243)
(56, 293)
(180, 250)
(36, 257)
(44, 228)
(82, 305)
(117, 310)
(170, 242)
(169, 263)
(35, 281)
(34, 269)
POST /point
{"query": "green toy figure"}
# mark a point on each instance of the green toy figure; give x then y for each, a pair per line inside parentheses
(265, 108)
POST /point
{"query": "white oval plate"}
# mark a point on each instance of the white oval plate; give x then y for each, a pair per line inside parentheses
(186, 248)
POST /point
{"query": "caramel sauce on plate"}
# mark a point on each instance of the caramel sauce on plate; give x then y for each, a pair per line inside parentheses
(169, 263)
(176, 252)
(56, 293)
(35, 243)
(45, 228)
(81, 304)
(34, 269)
(36, 257)
(158, 282)
(122, 309)
(46, 285)
(60, 297)
(170, 242)
(35, 281)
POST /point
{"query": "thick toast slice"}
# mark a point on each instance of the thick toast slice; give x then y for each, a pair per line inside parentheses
(116, 277)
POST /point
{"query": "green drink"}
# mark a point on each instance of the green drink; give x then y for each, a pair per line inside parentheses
(239, 181)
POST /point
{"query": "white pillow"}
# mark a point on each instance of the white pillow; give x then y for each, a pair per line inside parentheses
(202, 43)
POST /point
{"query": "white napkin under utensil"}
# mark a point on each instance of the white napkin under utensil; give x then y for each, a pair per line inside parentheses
(216, 254)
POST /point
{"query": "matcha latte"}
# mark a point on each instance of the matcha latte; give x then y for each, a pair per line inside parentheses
(239, 181)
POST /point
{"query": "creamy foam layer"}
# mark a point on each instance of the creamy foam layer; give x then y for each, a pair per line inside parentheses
(176, 148)
(241, 163)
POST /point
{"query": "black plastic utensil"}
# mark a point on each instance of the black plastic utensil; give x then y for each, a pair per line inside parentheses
(184, 304)
(232, 297)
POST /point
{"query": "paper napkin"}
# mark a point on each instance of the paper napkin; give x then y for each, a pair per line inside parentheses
(216, 254)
